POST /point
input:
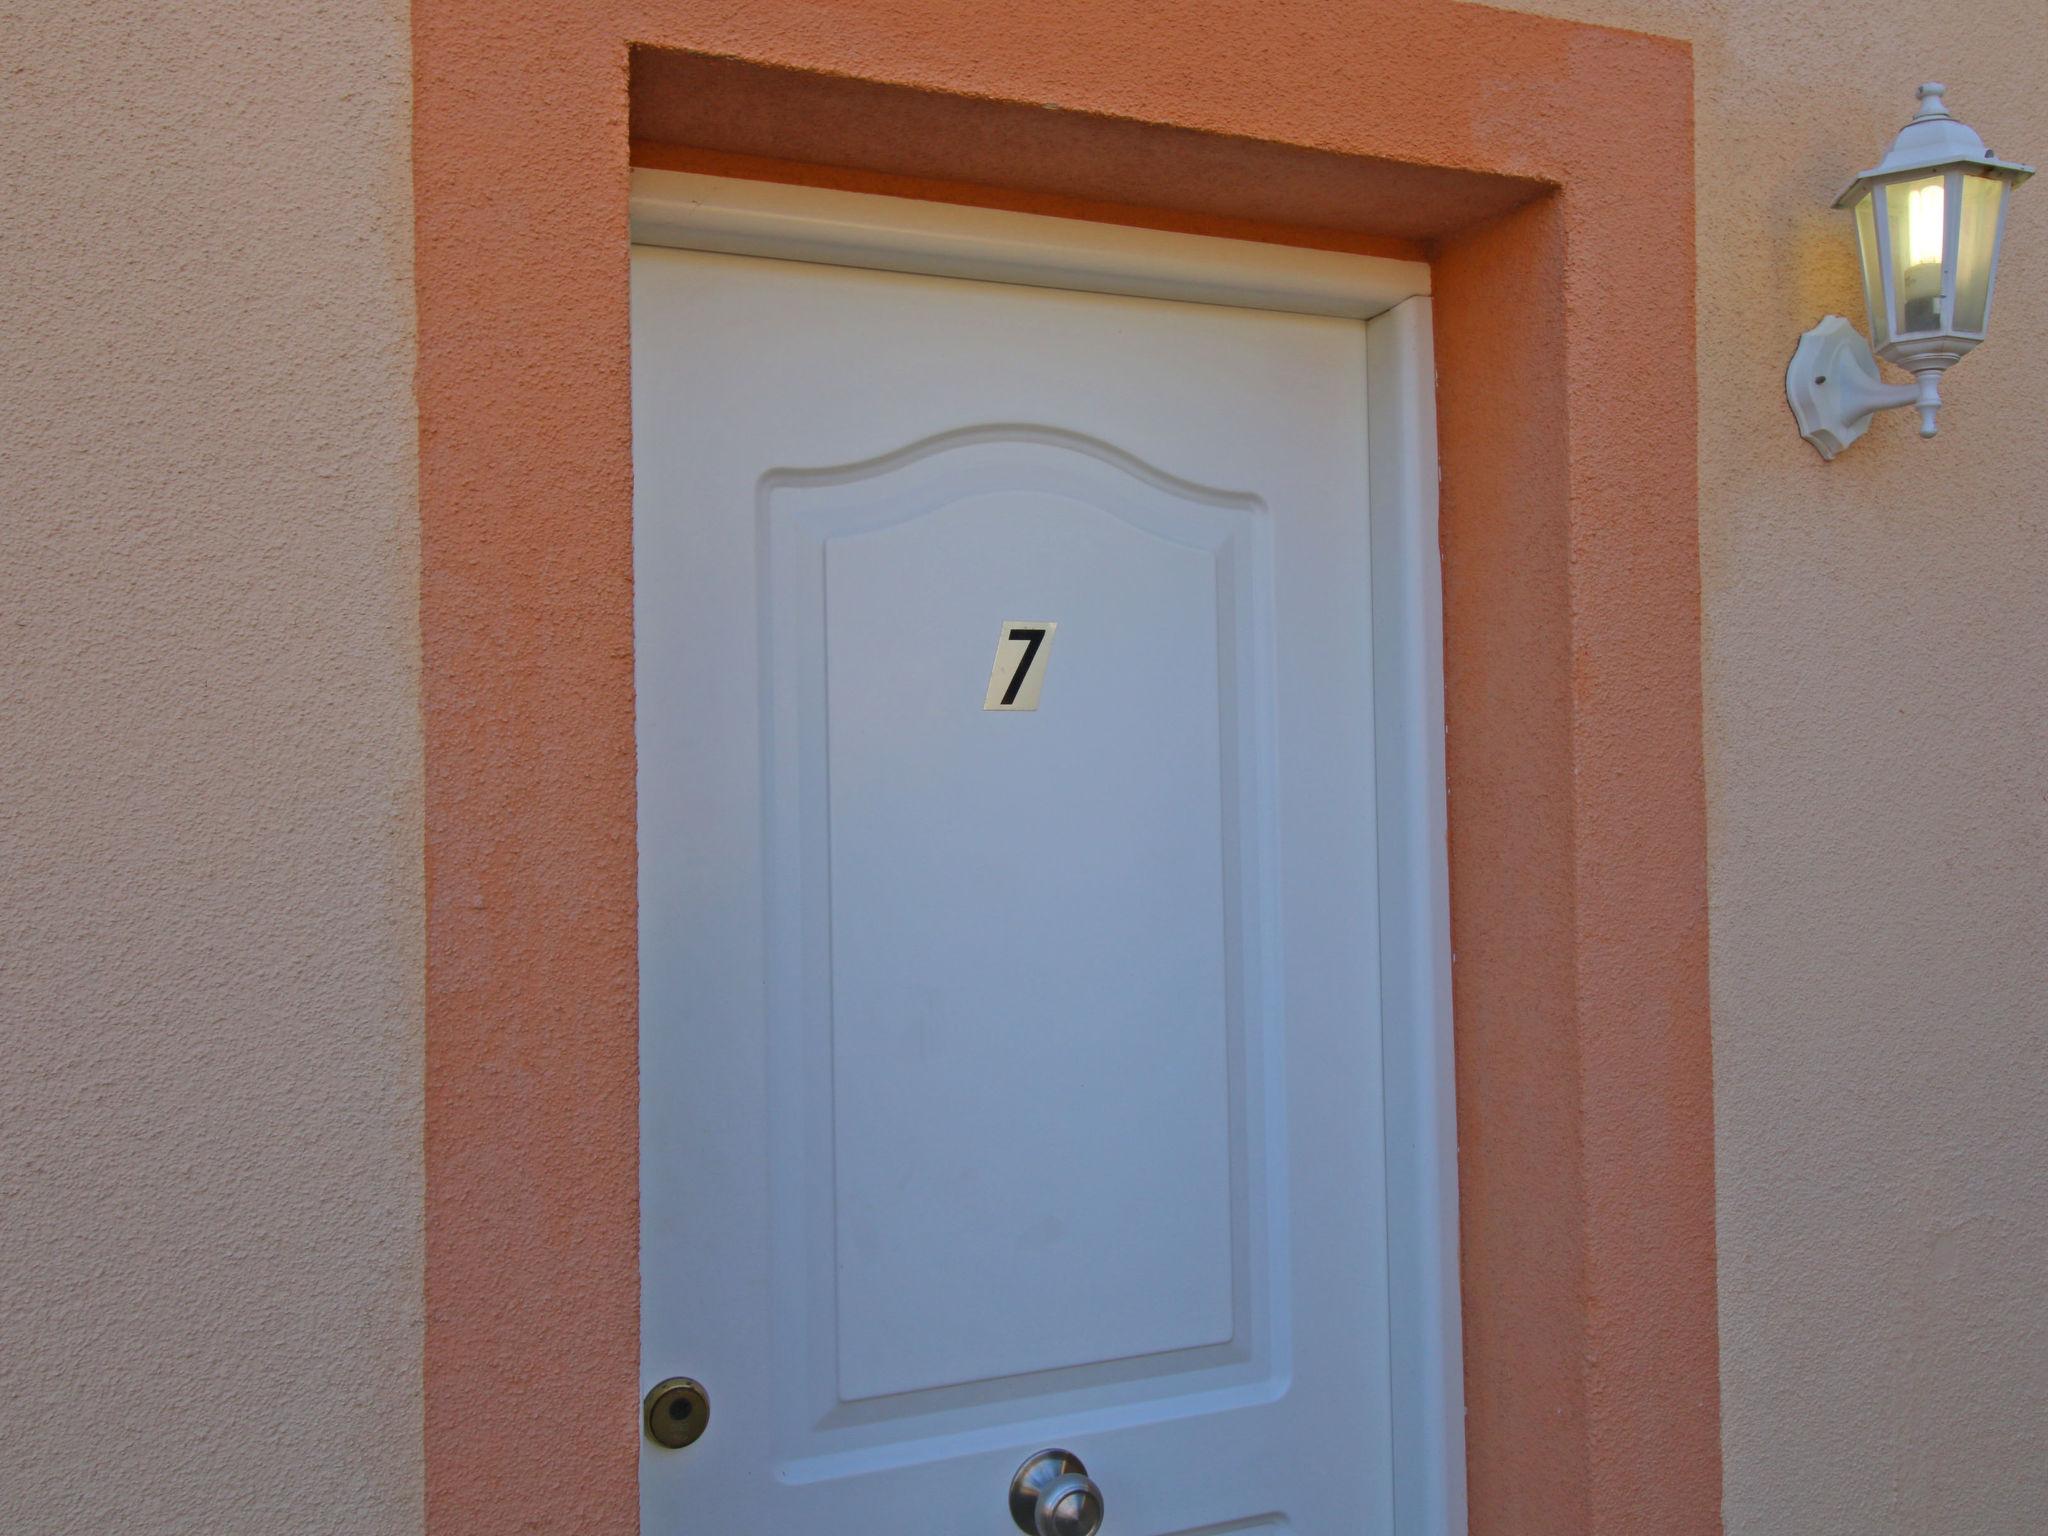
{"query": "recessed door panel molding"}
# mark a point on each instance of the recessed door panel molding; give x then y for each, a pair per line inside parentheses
(1019, 1050)
(943, 906)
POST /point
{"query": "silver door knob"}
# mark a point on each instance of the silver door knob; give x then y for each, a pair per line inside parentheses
(1053, 1495)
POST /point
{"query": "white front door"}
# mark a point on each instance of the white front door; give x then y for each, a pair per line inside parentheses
(1011, 1039)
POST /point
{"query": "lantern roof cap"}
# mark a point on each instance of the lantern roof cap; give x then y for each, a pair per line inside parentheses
(1934, 140)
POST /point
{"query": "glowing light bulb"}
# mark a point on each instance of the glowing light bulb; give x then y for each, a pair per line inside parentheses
(1926, 218)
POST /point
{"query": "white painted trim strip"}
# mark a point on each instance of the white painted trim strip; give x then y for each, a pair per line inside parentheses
(900, 234)
(1415, 927)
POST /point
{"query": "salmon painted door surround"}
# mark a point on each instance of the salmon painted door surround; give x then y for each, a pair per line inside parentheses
(1545, 168)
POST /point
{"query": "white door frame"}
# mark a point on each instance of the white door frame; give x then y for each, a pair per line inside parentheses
(716, 213)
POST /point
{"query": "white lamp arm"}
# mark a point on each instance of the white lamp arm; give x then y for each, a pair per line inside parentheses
(1834, 388)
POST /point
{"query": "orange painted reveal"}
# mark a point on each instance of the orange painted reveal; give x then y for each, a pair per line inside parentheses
(1508, 760)
(1547, 168)
(723, 105)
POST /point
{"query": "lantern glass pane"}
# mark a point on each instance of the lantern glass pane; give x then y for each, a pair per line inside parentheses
(1873, 270)
(1976, 250)
(1917, 212)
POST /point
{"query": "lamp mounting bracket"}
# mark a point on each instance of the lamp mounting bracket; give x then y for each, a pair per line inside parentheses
(1834, 388)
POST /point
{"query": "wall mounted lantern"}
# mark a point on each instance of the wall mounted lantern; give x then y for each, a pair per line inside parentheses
(1929, 219)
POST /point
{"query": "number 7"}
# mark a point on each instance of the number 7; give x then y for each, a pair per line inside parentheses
(1017, 675)
(1033, 639)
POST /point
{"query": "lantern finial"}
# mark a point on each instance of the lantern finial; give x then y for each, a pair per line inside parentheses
(1931, 104)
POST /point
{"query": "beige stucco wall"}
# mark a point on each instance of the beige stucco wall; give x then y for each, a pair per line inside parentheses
(1877, 754)
(210, 883)
(209, 786)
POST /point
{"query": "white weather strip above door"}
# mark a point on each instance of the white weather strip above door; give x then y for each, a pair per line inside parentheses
(900, 234)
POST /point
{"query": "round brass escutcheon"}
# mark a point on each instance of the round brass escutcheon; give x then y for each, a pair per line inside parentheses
(676, 1412)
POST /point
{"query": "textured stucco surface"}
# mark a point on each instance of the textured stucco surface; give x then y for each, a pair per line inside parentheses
(210, 885)
(210, 799)
(1876, 670)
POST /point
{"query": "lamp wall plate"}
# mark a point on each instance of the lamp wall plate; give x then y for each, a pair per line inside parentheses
(1834, 387)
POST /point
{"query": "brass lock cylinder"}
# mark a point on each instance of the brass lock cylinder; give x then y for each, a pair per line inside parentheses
(676, 1412)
